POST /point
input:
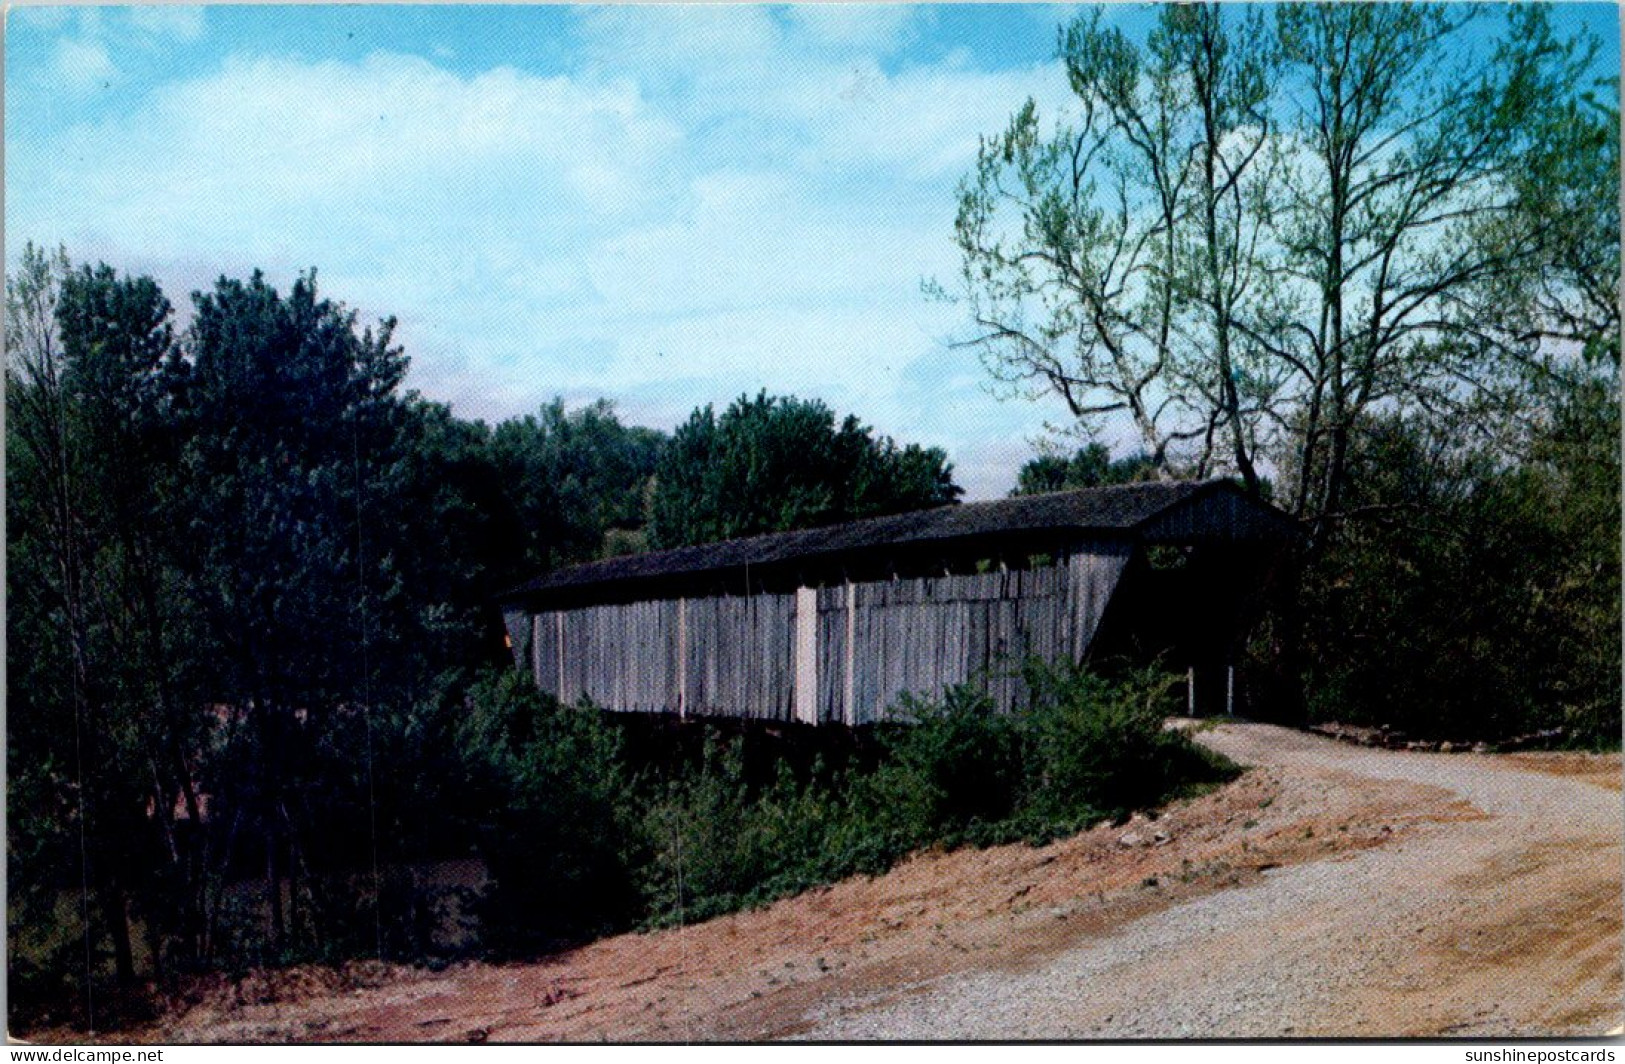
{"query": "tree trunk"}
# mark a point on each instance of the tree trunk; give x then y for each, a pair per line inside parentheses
(1289, 701)
(116, 909)
(277, 931)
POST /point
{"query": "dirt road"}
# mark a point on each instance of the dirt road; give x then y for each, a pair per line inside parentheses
(1333, 891)
(1505, 923)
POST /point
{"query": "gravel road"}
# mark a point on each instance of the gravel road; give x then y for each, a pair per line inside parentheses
(1500, 924)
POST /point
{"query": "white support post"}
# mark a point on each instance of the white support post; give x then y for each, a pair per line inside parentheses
(807, 655)
(536, 649)
(558, 631)
(1190, 690)
(1230, 690)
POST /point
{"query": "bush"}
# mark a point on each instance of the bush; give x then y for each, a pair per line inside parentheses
(1473, 600)
(716, 845)
(951, 764)
(560, 844)
(576, 845)
(951, 772)
(1095, 746)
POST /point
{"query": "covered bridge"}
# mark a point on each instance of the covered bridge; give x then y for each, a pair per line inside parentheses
(834, 624)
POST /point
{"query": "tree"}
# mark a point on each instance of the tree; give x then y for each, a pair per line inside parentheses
(1566, 199)
(117, 339)
(574, 476)
(1106, 262)
(1091, 467)
(290, 418)
(1405, 148)
(1481, 598)
(48, 644)
(1257, 233)
(90, 602)
(558, 836)
(1266, 240)
(451, 531)
(779, 463)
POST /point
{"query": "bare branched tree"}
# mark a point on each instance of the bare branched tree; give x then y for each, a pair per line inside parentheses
(1256, 233)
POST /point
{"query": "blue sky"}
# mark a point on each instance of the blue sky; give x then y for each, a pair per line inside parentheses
(665, 206)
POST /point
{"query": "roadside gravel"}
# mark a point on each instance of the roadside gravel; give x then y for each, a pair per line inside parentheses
(1502, 925)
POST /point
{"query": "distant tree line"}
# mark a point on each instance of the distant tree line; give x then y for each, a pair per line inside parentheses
(771, 464)
(1091, 466)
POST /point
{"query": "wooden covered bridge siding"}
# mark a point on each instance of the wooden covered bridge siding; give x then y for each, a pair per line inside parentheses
(843, 652)
(835, 624)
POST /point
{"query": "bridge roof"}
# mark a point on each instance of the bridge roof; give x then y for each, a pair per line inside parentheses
(1166, 511)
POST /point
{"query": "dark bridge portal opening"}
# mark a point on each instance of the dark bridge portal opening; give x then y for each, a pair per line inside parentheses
(1190, 609)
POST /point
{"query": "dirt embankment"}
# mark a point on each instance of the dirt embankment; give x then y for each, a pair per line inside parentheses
(1331, 891)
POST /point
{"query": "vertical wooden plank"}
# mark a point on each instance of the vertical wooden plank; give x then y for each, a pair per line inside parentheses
(536, 650)
(850, 705)
(682, 658)
(1095, 571)
(844, 653)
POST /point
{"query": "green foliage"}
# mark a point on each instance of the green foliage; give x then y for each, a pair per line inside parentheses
(1377, 248)
(558, 838)
(1475, 599)
(1567, 207)
(1099, 745)
(243, 568)
(957, 773)
(717, 844)
(95, 733)
(1091, 467)
(247, 582)
(779, 463)
(954, 763)
(288, 416)
(441, 515)
(573, 478)
(1255, 229)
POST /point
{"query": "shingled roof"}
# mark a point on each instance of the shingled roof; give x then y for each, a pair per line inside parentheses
(1116, 511)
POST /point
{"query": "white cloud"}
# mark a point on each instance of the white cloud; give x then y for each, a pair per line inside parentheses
(272, 154)
(175, 22)
(705, 42)
(83, 65)
(714, 201)
(924, 122)
(755, 240)
(770, 88)
(83, 61)
(879, 27)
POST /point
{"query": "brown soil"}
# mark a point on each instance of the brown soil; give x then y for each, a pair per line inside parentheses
(1601, 769)
(885, 945)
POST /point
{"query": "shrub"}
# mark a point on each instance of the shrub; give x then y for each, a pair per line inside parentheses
(576, 847)
(1097, 746)
(1473, 600)
(716, 845)
(559, 844)
(949, 765)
